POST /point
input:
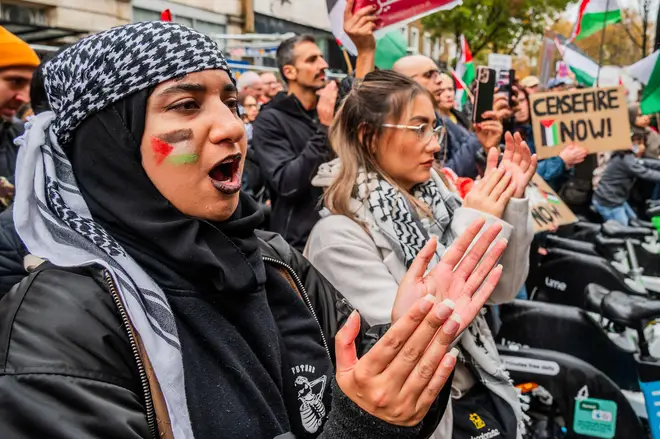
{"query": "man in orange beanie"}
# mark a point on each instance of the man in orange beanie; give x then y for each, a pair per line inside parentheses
(17, 63)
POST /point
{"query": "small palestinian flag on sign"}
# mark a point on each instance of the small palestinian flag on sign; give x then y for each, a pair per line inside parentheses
(549, 132)
(552, 198)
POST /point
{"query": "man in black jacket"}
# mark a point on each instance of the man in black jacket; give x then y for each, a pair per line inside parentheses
(291, 138)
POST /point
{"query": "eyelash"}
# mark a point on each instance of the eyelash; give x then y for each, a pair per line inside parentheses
(181, 106)
(232, 104)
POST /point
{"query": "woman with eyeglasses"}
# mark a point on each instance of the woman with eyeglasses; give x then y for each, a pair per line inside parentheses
(385, 205)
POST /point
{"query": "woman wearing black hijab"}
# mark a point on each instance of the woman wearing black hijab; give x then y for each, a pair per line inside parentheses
(160, 311)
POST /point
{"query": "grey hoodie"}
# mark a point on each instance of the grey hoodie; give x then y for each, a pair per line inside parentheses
(343, 251)
(620, 175)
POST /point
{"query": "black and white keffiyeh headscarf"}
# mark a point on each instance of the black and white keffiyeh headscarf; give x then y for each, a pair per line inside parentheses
(111, 65)
(50, 213)
(406, 230)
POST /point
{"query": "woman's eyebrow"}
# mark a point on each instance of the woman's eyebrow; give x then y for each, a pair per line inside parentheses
(229, 88)
(422, 119)
(181, 88)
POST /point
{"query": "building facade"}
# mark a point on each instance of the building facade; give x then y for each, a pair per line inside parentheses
(51, 23)
(62, 21)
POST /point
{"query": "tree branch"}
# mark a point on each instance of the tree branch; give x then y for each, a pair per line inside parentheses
(518, 39)
(480, 46)
(631, 36)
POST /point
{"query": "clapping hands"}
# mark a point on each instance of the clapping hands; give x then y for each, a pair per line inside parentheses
(402, 375)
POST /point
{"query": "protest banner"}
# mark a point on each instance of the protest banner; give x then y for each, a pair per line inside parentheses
(401, 12)
(547, 209)
(594, 118)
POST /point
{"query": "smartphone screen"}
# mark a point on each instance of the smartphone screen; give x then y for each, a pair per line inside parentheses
(484, 94)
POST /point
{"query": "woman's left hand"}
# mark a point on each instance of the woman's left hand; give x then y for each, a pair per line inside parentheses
(517, 160)
(489, 132)
(456, 277)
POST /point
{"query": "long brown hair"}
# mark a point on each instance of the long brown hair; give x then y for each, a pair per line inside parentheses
(357, 129)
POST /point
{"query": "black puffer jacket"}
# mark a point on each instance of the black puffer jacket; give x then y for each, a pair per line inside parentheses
(68, 367)
(12, 252)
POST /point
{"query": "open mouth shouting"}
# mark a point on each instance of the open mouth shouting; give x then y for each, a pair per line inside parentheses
(225, 176)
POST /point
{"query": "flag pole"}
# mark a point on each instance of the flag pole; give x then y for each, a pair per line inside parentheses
(349, 66)
(602, 42)
(463, 84)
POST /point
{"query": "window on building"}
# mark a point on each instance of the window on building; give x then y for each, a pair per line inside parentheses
(427, 44)
(23, 14)
(452, 50)
(205, 27)
(140, 14)
(436, 50)
(404, 32)
(414, 39)
(208, 28)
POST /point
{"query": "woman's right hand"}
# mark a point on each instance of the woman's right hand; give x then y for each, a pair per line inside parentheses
(493, 192)
(359, 26)
(572, 155)
(402, 375)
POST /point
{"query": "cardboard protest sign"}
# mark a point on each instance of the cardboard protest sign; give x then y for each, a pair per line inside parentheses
(400, 12)
(501, 64)
(546, 208)
(594, 118)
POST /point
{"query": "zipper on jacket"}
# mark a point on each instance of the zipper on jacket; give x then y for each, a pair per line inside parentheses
(144, 380)
(304, 294)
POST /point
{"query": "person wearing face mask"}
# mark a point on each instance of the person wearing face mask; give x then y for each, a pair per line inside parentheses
(384, 201)
(292, 140)
(553, 170)
(157, 314)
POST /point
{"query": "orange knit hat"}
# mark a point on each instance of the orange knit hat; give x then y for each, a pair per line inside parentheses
(15, 52)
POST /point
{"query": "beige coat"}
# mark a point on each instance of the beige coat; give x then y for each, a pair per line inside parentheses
(365, 269)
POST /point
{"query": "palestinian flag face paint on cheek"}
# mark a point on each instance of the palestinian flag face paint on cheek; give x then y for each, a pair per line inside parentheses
(178, 153)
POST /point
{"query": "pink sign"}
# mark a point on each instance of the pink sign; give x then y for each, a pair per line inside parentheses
(562, 70)
(393, 12)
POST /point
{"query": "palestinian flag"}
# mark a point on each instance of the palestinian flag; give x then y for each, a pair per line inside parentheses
(464, 72)
(647, 71)
(552, 198)
(549, 132)
(585, 69)
(593, 16)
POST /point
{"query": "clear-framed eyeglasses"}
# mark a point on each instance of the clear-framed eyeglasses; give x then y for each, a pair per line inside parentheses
(425, 132)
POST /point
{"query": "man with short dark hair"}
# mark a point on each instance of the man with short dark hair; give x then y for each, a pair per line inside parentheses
(291, 138)
(17, 63)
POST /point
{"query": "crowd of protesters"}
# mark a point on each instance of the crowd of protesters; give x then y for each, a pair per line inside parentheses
(276, 256)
